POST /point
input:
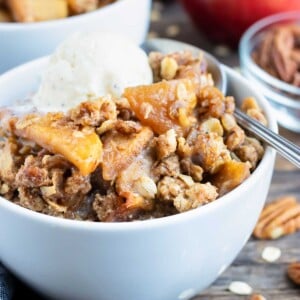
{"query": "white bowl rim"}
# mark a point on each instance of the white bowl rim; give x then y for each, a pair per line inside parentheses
(7, 26)
(265, 163)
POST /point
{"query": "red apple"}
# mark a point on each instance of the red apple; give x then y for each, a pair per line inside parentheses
(225, 20)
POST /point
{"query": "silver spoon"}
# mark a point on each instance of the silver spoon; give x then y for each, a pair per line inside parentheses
(284, 147)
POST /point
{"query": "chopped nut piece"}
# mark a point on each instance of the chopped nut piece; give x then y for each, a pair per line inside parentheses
(240, 288)
(278, 218)
(252, 109)
(294, 272)
(210, 152)
(250, 151)
(4, 189)
(183, 148)
(106, 126)
(191, 169)
(168, 166)
(146, 187)
(212, 125)
(271, 254)
(257, 115)
(128, 127)
(188, 180)
(168, 68)
(94, 113)
(235, 138)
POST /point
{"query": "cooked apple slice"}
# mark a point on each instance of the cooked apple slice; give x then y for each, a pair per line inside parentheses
(82, 147)
(163, 105)
(120, 150)
(230, 175)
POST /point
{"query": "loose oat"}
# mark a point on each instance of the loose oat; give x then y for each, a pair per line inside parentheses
(271, 254)
(172, 30)
(240, 288)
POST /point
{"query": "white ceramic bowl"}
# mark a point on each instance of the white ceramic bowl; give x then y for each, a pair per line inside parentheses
(162, 259)
(23, 42)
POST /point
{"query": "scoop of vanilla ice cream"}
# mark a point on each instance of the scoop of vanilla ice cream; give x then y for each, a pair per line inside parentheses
(89, 65)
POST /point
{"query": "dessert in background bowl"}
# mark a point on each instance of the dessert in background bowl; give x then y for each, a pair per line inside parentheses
(269, 57)
(224, 21)
(21, 42)
(191, 247)
(36, 10)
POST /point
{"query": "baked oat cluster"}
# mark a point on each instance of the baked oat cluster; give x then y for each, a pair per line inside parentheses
(160, 149)
(43, 10)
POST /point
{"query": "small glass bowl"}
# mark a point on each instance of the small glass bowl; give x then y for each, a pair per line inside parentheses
(284, 97)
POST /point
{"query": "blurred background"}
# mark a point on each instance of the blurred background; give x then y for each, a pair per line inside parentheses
(214, 25)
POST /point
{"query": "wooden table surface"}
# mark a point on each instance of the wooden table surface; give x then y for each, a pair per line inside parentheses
(269, 279)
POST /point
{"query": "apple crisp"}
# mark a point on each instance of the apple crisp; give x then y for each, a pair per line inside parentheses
(26, 11)
(159, 150)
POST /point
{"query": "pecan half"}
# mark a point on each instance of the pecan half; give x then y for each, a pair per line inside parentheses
(293, 272)
(280, 217)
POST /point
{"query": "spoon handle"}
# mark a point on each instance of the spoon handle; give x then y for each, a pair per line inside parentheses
(283, 146)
